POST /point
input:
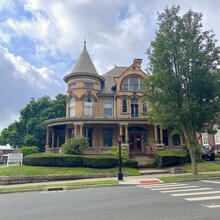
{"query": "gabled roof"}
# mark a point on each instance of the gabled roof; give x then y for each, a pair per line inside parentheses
(109, 79)
(84, 64)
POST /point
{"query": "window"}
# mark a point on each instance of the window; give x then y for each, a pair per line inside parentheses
(134, 108)
(72, 86)
(132, 84)
(125, 85)
(124, 105)
(88, 106)
(144, 106)
(107, 137)
(72, 107)
(217, 137)
(88, 85)
(205, 139)
(107, 108)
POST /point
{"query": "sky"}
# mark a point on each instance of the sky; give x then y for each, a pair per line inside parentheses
(40, 41)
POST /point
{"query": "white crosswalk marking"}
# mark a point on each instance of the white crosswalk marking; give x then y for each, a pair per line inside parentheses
(163, 185)
(185, 190)
(210, 181)
(212, 206)
(191, 193)
(202, 198)
(195, 193)
(176, 187)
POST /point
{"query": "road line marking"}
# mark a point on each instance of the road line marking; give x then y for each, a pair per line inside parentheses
(202, 198)
(210, 181)
(211, 206)
(163, 186)
(196, 193)
(177, 187)
(185, 190)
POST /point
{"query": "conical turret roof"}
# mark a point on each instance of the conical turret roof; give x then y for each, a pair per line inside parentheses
(84, 64)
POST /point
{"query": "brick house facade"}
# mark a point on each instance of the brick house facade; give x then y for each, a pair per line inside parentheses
(101, 107)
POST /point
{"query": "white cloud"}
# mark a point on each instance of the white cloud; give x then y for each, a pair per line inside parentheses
(19, 81)
(46, 37)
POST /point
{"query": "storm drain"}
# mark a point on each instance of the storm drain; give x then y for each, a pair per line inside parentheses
(57, 188)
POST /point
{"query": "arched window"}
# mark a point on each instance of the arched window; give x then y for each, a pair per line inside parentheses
(133, 83)
(88, 106)
(72, 107)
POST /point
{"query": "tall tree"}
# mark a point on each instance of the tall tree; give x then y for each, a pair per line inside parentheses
(183, 84)
(29, 130)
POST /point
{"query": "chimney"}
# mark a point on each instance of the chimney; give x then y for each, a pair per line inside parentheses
(137, 63)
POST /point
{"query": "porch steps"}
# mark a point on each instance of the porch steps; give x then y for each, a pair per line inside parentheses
(144, 159)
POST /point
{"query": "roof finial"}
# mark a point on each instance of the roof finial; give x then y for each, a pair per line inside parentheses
(84, 42)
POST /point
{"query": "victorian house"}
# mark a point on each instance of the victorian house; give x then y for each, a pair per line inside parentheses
(101, 107)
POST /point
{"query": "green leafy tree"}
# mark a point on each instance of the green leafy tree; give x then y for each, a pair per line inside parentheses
(27, 150)
(76, 145)
(29, 130)
(183, 84)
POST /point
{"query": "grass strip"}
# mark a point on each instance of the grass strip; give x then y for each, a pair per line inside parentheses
(77, 184)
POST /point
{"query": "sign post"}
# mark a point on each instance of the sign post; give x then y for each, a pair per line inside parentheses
(120, 174)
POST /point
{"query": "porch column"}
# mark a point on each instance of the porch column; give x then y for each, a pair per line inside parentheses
(47, 138)
(75, 129)
(52, 138)
(80, 129)
(120, 130)
(161, 134)
(66, 134)
(126, 133)
(155, 135)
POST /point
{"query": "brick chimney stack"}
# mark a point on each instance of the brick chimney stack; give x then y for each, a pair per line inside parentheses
(137, 63)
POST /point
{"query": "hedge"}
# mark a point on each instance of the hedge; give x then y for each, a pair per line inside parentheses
(66, 160)
(165, 158)
(99, 161)
(53, 160)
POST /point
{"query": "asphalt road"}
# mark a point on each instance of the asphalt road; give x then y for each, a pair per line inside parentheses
(154, 202)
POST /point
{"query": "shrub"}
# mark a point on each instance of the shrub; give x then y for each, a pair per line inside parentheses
(66, 160)
(99, 161)
(170, 157)
(76, 145)
(131, 163)
(27, 150)
(53, 159)
(115, 153)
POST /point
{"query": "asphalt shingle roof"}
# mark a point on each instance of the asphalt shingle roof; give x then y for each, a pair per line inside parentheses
(84, 64)
(109, 79)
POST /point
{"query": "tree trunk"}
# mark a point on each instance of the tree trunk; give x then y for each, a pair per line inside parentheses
(190, 136)
(192, 151)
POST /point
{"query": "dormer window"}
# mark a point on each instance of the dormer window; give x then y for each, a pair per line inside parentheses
(88, 85)
(132, 83)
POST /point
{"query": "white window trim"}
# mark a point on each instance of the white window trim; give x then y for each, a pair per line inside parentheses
(216, 137)
(203, 137)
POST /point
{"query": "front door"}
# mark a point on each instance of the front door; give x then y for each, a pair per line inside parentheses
(135, 142)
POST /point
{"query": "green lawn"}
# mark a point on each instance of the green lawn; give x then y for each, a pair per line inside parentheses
(36, 170)
(203, 166)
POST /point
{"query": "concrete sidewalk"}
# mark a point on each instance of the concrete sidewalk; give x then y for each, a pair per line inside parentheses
(149, 176)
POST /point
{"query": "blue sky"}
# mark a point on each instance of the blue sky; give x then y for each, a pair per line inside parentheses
(41, 40)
